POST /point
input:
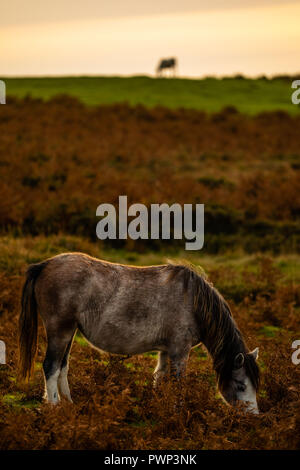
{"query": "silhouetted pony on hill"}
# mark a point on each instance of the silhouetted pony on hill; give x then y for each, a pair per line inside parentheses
(166, 64)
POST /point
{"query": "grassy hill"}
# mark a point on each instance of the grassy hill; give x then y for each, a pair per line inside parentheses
(249, 96)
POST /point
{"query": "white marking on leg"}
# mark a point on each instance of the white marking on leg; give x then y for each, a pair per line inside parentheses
(161, 368)
(63, 383)
(52, 394)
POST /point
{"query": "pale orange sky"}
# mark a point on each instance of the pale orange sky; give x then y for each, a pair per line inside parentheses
(128, 37)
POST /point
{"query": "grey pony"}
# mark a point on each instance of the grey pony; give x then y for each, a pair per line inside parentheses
(130, 310)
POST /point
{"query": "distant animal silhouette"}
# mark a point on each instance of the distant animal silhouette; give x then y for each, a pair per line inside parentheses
(166, 64)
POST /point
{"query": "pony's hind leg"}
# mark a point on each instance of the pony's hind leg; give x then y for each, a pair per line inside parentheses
(161, 367)
(57, 346)
(63, 383)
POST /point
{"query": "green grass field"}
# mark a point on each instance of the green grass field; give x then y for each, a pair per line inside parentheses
(249, 96)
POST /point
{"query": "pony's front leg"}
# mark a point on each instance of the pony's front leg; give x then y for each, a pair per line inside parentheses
(161, 367)
(178, 363)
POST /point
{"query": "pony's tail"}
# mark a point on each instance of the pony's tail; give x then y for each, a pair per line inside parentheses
(28, 323)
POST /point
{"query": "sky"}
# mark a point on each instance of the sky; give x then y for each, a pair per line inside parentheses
(128, 37)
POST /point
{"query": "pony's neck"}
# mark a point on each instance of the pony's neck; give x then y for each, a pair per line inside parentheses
(221, 336)
(223, 350)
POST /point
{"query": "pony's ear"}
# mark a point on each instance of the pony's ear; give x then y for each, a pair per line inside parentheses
(238, 361)
(254, 353)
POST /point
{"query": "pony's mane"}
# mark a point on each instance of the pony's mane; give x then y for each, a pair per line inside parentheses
(218, 330)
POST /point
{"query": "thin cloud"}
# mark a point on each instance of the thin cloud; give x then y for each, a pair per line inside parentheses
(15, 12)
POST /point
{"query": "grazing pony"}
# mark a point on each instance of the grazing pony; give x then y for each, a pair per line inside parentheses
(131, 310)
(166, 64)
